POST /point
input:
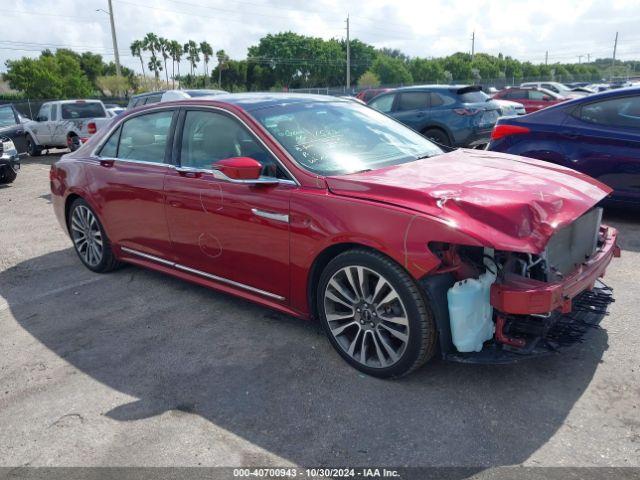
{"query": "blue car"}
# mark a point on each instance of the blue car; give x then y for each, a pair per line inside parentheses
(449, 115)
(598, 135)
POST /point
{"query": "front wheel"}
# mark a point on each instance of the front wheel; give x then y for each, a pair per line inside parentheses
(89, 238)
(374, 314)
(32, 149)
(7, 175)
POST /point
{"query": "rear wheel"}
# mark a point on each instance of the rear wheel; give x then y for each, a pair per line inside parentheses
(374, 314)
(438, 137)
(89, 239)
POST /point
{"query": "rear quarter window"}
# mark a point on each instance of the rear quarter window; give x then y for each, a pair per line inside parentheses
(473, 97)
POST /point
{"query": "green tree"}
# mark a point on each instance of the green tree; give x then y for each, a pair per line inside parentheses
(368, 79)
(391, 70)
(56, 75)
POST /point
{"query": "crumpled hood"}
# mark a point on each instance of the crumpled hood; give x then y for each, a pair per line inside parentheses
(505, 201)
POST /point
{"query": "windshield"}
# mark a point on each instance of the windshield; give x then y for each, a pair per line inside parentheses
(72, 111)
(334, 138)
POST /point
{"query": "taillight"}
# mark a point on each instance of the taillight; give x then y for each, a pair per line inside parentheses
(91, 128)
(500, 131)
(468, 112)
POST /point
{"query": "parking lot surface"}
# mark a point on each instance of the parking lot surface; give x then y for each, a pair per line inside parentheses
(137, 368)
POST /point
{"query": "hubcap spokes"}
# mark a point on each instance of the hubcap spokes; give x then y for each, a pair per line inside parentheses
(366, 316)
(86, 234)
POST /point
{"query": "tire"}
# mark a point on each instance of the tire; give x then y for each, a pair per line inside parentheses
(7, 175)
(32, 149)
(84, 223)
(73, 142)
(358, 320)
(438, 137)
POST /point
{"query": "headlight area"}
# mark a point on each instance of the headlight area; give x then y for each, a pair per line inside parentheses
(500, 307)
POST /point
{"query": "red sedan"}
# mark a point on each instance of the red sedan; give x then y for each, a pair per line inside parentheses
(533, 99)
(324, 208)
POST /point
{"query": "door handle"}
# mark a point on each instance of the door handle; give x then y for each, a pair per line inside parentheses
(570, 134)
(189, 172)
(106, 163)
(278, 217)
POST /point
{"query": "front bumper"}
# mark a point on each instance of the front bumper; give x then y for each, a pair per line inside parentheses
(519, 296)
(11, 160)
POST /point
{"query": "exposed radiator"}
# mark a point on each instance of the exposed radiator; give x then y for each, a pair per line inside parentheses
(573, 244)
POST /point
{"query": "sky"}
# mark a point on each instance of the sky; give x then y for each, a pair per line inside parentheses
(566, 29)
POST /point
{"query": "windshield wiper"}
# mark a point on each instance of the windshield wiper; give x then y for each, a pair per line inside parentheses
(426, 155)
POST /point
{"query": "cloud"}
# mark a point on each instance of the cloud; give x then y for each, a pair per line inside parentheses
(523, 29)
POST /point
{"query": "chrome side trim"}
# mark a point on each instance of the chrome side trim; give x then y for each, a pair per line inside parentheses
(201, 273)
(147, 256)
(278, 217)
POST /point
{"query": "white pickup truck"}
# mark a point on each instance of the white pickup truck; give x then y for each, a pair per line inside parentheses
(64, 124)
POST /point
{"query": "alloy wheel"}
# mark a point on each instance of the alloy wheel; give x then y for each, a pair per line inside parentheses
(366, 316)
(87, 236)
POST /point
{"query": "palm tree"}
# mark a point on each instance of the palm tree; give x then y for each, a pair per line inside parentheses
(175, 50)
(191, 49)
(151, 43)
(155, 65)
(163, 43)
(207, 52)
(136, 50)
(223, 58)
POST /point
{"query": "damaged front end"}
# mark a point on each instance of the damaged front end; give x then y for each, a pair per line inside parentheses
(499, 307)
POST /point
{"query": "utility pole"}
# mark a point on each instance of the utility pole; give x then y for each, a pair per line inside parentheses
(115, 41)
(580, 59)
(473, 44)
(588, 58)
(546, 57)
(615, 47)
(348, 57)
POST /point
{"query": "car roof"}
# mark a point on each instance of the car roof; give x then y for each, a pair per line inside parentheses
(432, 87)
(256, 101)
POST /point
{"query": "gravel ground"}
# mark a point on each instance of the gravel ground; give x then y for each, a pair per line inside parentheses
(137, 368)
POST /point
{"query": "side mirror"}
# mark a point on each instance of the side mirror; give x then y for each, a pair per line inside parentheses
(546, 98)
(239, 168)
(42, 118)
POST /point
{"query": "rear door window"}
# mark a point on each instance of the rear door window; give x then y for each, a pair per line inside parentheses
(515, 94)
(618, 112)
(474, 96)
(71, 111)
(144, 138)
(537, 95)
(383, 103)
(413, 101)
(152, 99)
